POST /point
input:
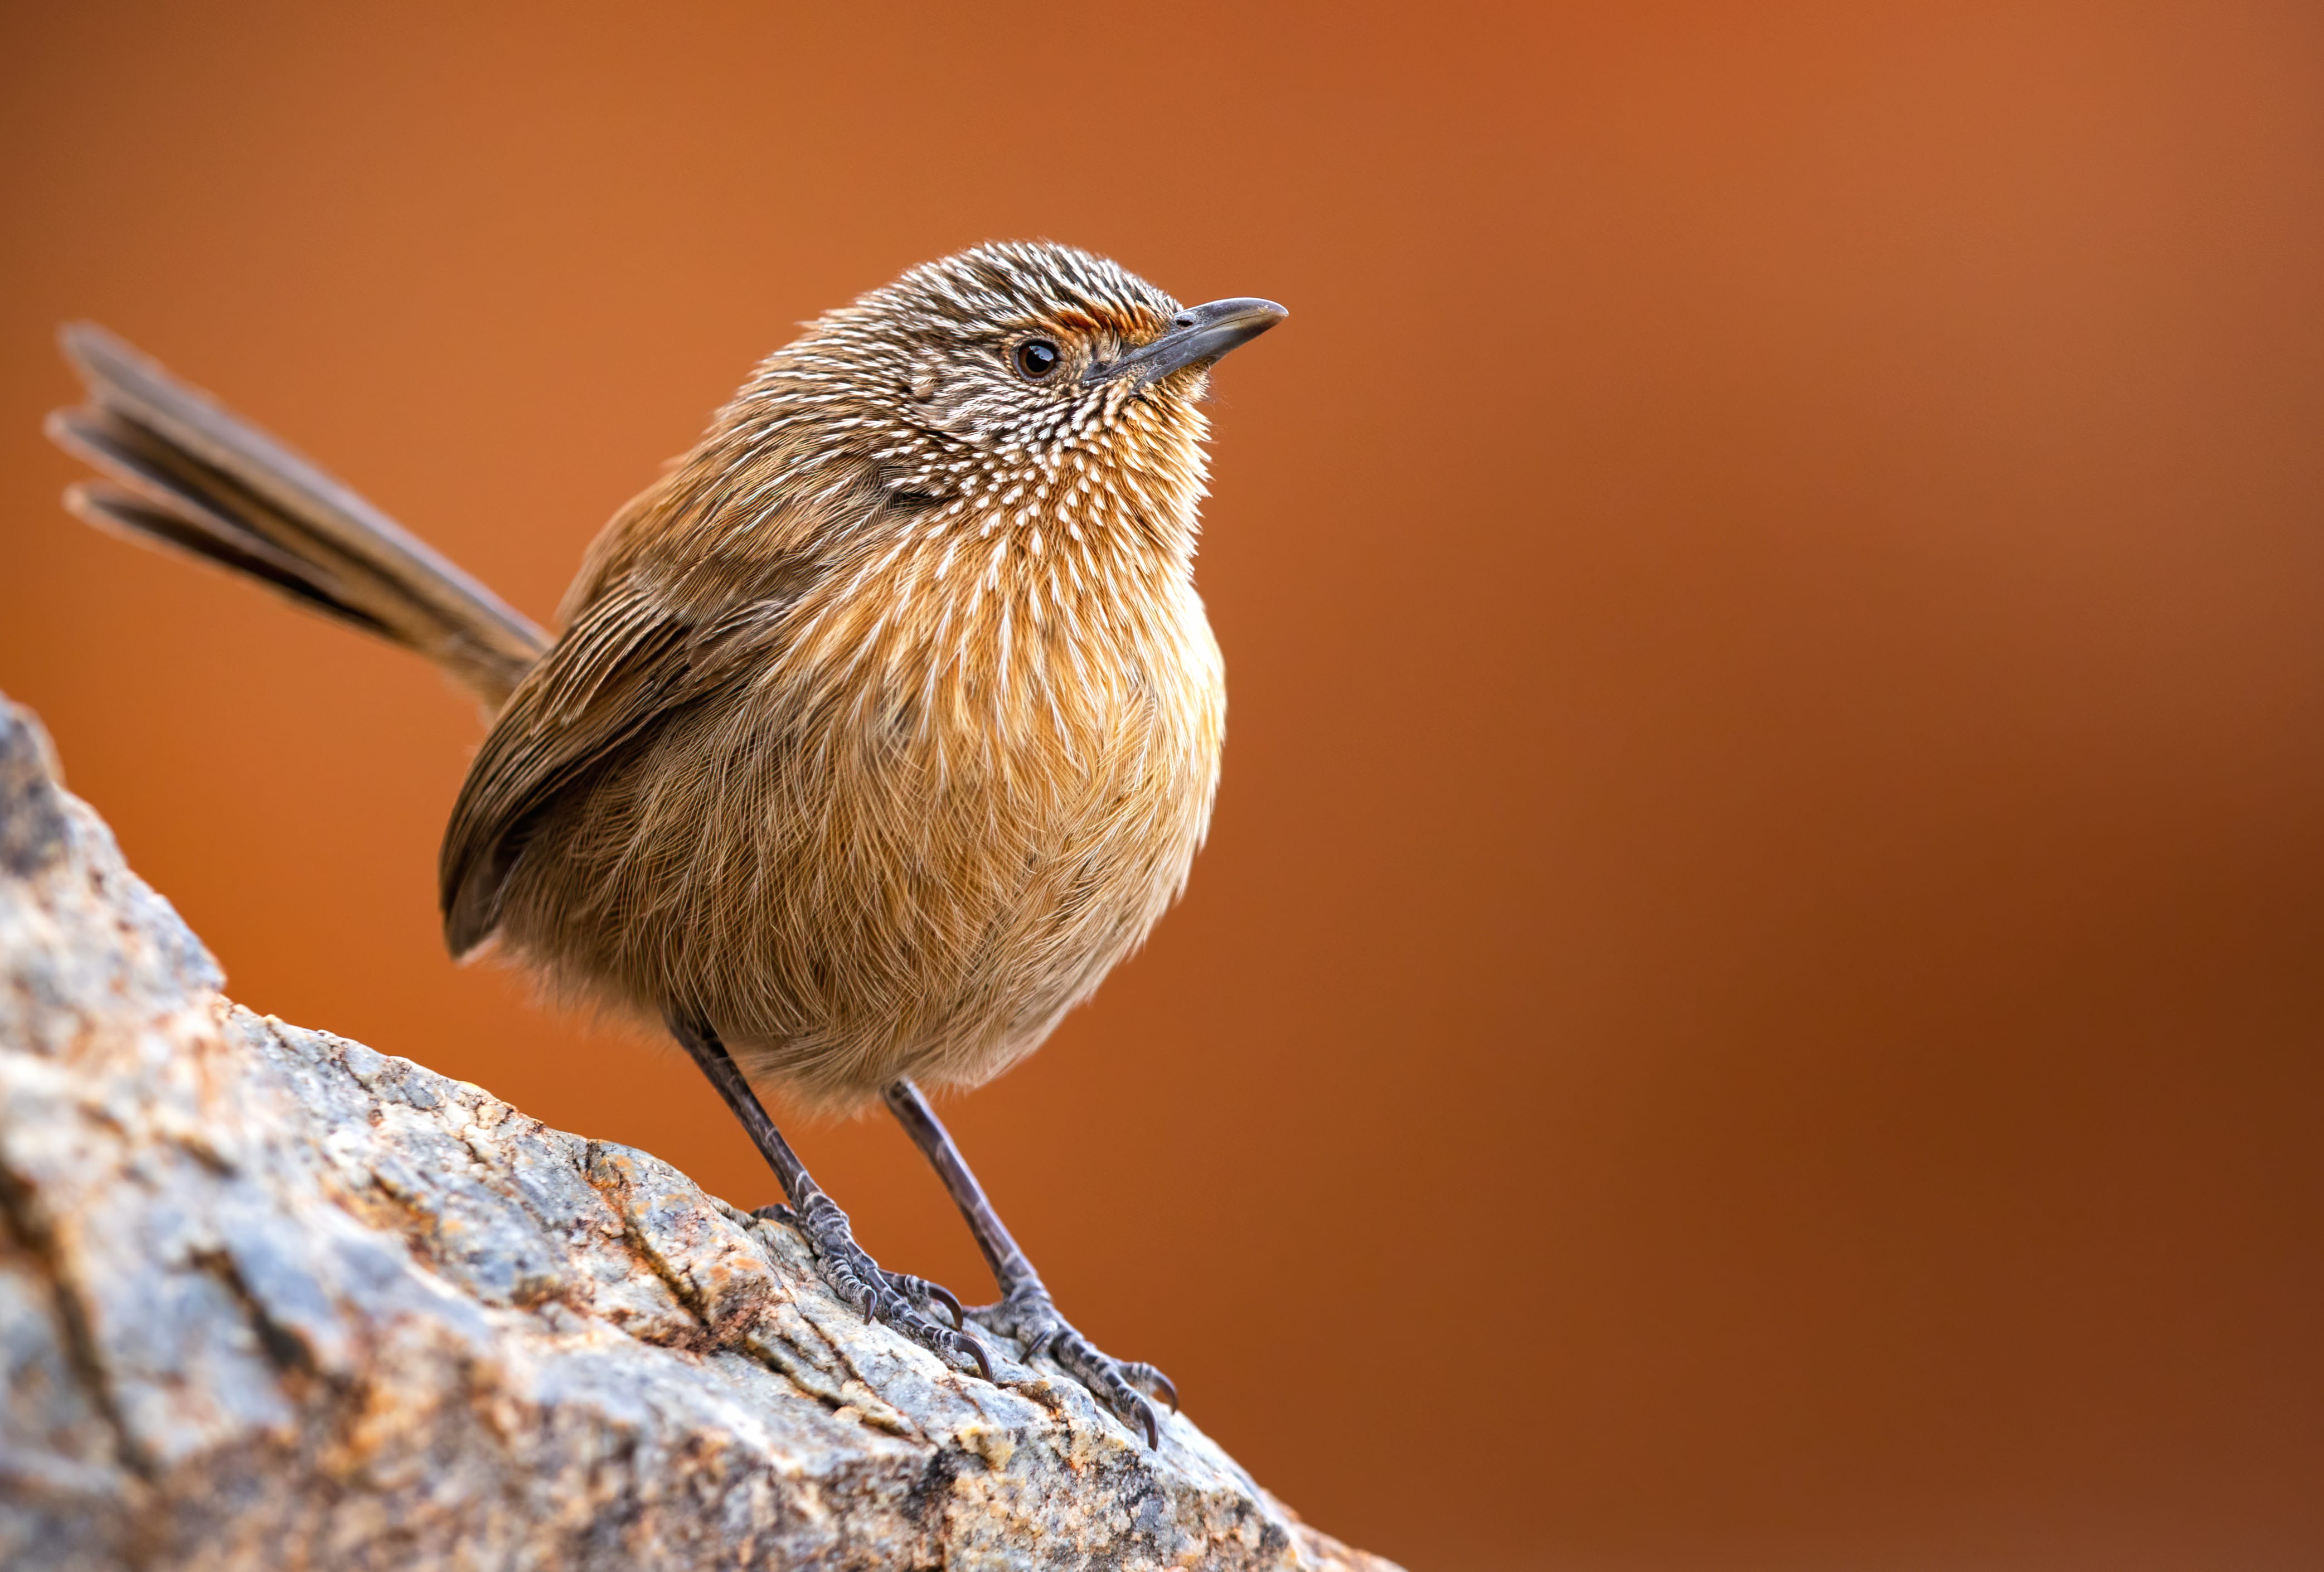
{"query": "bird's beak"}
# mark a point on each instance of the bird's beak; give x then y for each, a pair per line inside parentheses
(1198, 337)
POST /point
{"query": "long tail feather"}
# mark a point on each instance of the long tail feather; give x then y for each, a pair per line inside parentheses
(198, 478)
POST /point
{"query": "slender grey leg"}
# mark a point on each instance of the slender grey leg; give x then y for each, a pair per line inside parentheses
(900, 1299)
(1026, 1312)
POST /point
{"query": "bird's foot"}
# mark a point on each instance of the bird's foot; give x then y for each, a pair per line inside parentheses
(1029, 1317)
(903, 1301)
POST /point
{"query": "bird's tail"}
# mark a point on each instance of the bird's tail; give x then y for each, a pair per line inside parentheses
(192, 475)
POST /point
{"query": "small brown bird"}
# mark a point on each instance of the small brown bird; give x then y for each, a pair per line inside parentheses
(880, 728)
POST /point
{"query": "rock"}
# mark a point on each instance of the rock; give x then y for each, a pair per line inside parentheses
(271, 1299)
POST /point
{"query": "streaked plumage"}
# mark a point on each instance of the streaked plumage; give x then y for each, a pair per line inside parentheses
(880, 728)
(918, 740)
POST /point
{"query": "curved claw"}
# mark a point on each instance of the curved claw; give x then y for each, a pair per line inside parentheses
(894, 1309)
(976, 1352)
(1139, 1374)
(943, 1295)
(892, 1298)
(1027, 1316)
(921, 1293)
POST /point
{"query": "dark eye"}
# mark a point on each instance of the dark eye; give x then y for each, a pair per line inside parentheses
(1037, 358)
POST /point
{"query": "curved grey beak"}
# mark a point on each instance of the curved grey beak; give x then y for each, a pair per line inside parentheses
(1197, 335)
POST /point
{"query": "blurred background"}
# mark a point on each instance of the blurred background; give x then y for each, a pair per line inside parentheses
(1755, 997)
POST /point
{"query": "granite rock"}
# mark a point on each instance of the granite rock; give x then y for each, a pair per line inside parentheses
(268, 1297)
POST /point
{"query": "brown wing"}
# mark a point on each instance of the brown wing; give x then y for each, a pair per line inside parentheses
(631, 661)
(676, 601)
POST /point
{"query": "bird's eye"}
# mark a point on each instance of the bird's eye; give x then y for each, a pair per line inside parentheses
(1037, 358)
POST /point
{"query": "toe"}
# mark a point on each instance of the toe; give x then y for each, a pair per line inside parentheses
(921, 1295)
(898, 1298)
(1031, 1320)
(937, 1338)
(1102, 1375)
(1146, 1378)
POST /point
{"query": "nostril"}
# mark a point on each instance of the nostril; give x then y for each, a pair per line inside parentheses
(1182, 319)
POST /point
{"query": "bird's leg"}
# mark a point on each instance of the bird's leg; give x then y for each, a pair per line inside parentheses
(902, 1300)
(1026, 1312)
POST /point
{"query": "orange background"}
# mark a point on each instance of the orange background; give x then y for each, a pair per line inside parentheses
(1756, 994)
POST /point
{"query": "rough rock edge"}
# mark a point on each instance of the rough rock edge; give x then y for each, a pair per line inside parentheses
(268, 1297)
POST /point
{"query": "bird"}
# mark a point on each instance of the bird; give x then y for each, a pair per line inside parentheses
(873, 733)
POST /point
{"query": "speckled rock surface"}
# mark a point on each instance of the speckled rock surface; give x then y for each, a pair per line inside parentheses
(269, 1298)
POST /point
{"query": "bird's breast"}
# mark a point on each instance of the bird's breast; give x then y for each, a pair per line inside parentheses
(979, 784)
(1040, 664)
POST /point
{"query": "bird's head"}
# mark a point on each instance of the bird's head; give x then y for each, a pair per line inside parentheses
(1022, 386)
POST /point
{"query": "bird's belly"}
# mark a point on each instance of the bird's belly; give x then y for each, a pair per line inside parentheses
(919, 881)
